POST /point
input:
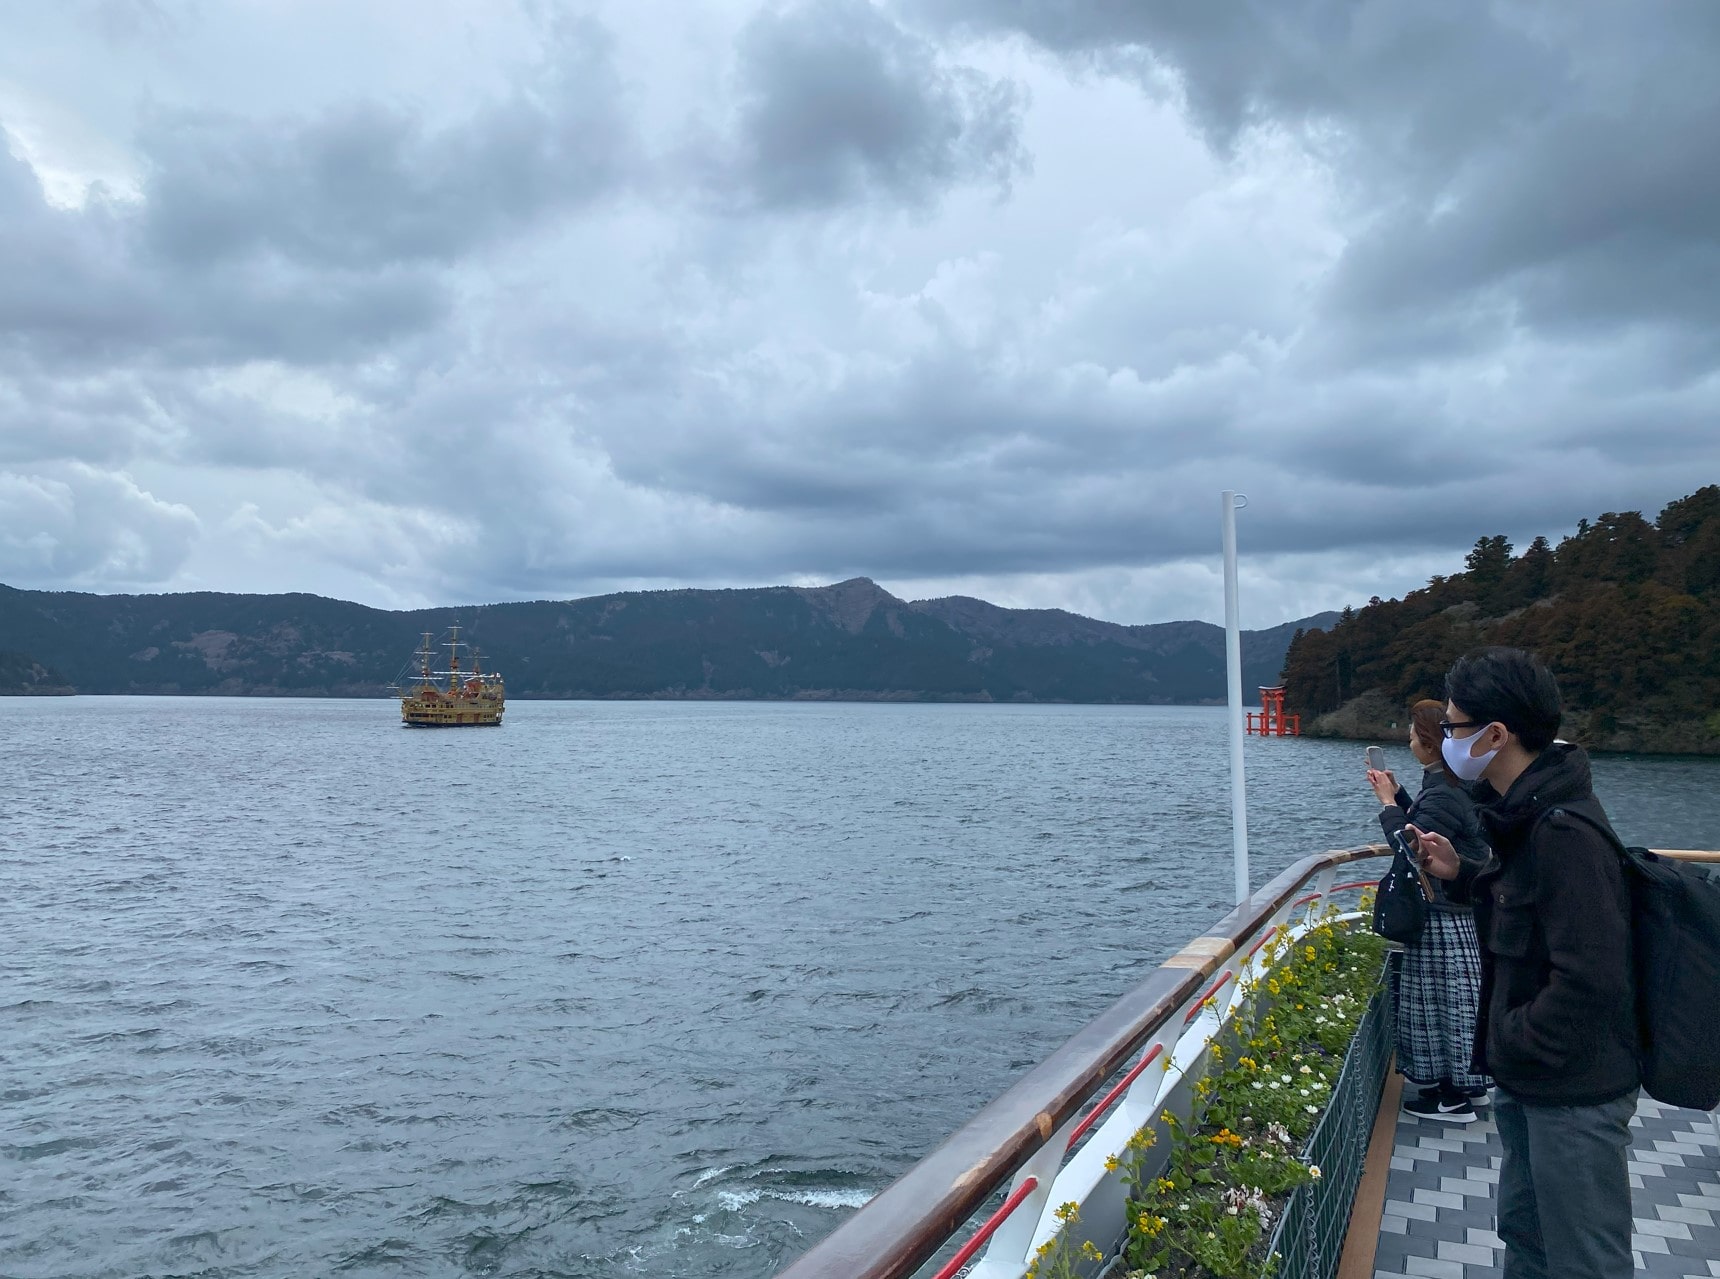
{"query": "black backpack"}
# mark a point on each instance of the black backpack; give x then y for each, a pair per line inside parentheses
(1675, 943)
(1400, 907)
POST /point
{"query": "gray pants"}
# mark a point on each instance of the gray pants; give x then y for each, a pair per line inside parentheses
(1564, 1189)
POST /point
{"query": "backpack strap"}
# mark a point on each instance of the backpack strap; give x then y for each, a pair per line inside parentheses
(1631, 857)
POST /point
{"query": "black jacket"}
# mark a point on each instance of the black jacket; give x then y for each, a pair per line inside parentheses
(1553, 915)
(1444, 808)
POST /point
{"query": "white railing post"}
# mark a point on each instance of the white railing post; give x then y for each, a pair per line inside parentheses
(1233, 682)
(1322, 890)
(1010, 1250)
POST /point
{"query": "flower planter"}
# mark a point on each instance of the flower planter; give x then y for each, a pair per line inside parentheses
(1310, 1233)
(1263, 1165)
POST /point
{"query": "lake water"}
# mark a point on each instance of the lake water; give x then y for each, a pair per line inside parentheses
(618, 989)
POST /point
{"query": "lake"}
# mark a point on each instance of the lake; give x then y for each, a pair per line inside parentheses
(624, 988)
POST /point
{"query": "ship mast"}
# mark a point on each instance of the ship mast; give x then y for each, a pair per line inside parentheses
(454, 646)
(424, 665)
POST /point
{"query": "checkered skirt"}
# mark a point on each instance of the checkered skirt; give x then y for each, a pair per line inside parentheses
(1437, 986)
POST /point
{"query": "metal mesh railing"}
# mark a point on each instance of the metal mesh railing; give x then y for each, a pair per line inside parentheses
(1310, 1234)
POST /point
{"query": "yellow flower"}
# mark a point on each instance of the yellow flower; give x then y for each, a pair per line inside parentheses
(1112, 1163)
(1069, 1212)
(1090, 1250)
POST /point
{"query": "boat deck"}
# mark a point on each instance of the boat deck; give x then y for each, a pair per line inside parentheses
(1437, 1219)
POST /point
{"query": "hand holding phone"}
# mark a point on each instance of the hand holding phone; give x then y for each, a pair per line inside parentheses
(1385, 786)
(1437, 857)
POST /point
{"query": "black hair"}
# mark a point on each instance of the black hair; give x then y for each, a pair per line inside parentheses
(1509, 686)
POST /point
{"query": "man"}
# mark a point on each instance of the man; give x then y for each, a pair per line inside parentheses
(1557, 1029)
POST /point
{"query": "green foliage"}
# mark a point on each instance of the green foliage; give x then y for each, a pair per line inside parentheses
(1060, 1257)
(1625, 612)
(1210, 1212)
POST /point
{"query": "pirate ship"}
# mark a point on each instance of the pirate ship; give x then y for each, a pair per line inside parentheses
(463, 695)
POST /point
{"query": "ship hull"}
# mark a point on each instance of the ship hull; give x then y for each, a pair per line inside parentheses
(415, 713)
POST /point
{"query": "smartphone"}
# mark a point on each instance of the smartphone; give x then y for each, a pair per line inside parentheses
(1376, 759)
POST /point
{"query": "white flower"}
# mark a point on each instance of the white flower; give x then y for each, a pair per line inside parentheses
(1285, 1078)
(1312, 1110)
(1303, 1091)
(1314, 1171)
(1231, 1210)
(1275, 1083)
(1307, 1070)
(1258, 1084)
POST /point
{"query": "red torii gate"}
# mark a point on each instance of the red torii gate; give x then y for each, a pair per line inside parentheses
(1270, 720)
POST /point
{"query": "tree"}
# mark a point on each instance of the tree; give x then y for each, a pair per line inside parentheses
(1485, 567)
(1690, 535)
(1487, 562)
(1530, 576)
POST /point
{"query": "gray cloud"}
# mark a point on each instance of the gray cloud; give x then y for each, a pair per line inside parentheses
(1528, 161)
(84, 527)
(838, 103)
(84, 290)
(307, 240)
(367, 186)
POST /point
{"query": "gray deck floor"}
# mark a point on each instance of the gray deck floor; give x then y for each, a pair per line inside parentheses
(1438, 1220)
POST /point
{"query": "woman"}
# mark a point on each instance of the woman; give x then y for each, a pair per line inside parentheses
(1437, 984)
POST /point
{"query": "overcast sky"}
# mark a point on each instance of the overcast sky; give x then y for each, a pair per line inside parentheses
(439, 301)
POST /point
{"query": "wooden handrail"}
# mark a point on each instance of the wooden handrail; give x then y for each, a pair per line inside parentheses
(905, 1225)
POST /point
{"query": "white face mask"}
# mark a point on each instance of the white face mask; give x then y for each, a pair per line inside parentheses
(1458, 759)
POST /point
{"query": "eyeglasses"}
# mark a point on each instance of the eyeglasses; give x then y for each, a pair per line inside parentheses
(1447, 726)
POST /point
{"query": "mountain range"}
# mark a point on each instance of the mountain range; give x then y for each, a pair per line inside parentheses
(853, 640)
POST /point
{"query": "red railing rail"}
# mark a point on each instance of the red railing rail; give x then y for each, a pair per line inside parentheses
(1122, 1086)
(1028, 1186)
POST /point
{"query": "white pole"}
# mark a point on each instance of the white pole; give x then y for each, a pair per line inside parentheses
(1233, 672)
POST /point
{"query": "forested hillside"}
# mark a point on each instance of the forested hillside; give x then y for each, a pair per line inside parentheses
(1625, 611)
(23, 675)
(850, 640)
